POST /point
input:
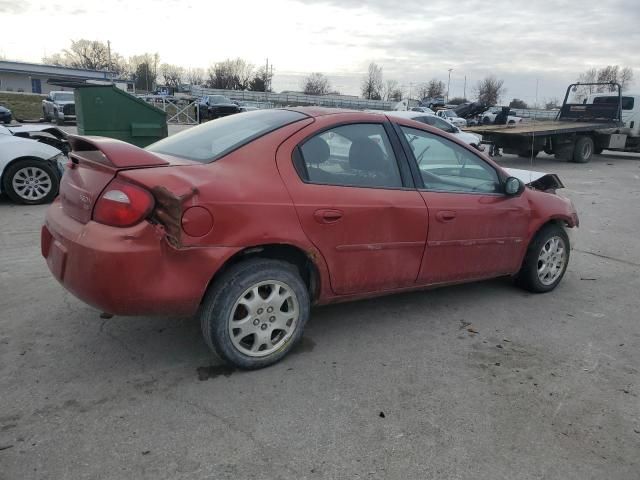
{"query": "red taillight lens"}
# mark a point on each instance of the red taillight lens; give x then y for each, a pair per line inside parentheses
(122, 204)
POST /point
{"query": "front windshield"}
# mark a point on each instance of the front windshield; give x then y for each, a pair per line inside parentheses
(216, 99)
(449, 113)
(63, 97)
(212, 140)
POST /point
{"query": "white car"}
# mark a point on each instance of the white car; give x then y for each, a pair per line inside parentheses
(489, 116)
(437, 122)
(423, 110)
(30, 171)
(452, 117)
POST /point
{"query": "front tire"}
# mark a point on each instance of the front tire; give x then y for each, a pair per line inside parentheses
(546, 260)
(255, 313)
(31, 182)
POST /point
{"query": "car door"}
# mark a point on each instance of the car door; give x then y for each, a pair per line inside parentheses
(475, 230)
(356, 202)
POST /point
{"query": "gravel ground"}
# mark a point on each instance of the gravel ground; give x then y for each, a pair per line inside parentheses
(481, 381)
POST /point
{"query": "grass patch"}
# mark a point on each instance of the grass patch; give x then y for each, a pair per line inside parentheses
(24, 106)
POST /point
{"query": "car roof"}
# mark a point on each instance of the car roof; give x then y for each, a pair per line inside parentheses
(322, 111)
(409, 114)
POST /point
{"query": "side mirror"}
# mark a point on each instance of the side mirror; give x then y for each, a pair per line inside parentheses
(513, 186)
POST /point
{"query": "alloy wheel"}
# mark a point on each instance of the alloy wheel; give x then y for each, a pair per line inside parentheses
(32, 183)
(551, 260)
(263, 318)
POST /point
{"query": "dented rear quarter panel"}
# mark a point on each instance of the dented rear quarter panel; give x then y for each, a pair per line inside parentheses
(243, 192)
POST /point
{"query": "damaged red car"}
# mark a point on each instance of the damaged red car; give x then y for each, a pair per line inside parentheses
(249, 220)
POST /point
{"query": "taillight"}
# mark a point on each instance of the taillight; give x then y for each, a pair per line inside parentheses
(122, 204)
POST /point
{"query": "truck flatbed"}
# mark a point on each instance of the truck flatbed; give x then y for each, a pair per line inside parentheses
(543, 127)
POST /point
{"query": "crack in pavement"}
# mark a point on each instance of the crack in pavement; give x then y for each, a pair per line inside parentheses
(600, 255)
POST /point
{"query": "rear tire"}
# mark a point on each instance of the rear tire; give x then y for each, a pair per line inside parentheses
(583, 150)
(256, 303)
(546, 260)
(31, 182)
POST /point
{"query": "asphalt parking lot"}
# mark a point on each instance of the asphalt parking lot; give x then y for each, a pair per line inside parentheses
(481, 381)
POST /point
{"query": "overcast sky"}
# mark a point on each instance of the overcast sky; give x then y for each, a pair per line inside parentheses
(523, 42)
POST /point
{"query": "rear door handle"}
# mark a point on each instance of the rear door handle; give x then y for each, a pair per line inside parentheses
(327, 215)
(446, 216)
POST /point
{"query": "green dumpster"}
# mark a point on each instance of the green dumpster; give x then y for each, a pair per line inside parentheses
(107, 111)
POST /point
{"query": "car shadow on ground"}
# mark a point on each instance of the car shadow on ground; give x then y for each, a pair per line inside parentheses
(166, 343)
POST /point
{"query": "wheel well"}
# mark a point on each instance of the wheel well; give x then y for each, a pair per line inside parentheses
(287, 253)
(554, 221)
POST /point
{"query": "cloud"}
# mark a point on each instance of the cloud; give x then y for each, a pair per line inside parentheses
(12, 7)
(514, 39)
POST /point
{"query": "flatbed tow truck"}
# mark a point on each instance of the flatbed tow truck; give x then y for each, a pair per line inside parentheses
(602, 121)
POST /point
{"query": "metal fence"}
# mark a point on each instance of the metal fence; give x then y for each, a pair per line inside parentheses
(180, 111)
(294, 99)
(536, 114)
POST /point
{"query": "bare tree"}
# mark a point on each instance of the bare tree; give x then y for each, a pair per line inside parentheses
(389, 90)
(316, 84)
(261, 81)
(552, 103)
(489, 90)
(626, 78)
(144, 70)
(435, 88)
(422, 91)
(372, 83)
(457, 101)
(89, 54)
(517, 103)
(195, 76)
(172, 74)
(608, 74)
(236, 74)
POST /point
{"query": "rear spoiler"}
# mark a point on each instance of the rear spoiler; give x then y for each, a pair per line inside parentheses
(111, 152)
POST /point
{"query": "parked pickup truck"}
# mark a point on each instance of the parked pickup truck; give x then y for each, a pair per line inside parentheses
(59, 107)
(602, 121)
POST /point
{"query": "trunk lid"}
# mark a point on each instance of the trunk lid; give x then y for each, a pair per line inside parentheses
(95, 161)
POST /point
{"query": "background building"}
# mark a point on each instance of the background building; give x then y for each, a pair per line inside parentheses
(38, 78)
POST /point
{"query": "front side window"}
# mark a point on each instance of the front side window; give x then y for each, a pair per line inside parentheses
(445, 166)
(212, 140)
(358, 155)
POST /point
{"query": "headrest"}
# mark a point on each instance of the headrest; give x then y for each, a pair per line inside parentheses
(316, 151)
(365, 154)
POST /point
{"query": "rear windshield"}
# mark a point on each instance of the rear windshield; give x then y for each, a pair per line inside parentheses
(212, 140)
(627, 102)
(63, 97)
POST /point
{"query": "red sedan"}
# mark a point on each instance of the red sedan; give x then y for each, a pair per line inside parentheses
(250, 219)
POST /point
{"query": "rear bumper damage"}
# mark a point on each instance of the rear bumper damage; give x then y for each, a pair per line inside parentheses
(127, 271)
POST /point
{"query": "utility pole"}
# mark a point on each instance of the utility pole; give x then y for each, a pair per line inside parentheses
(464, 95)
(109, 53)
(449, 84)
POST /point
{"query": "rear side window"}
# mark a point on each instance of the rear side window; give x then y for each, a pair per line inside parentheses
(358, 155)
(212, 140)
(627, 102)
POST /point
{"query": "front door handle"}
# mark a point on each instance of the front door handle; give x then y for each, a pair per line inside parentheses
(327, 215)
(446, 216)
